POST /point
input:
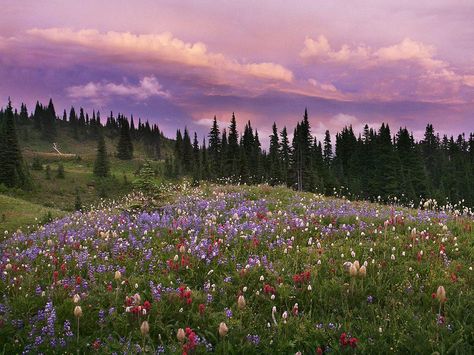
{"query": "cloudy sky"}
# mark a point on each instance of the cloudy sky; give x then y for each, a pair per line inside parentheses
(180, 63)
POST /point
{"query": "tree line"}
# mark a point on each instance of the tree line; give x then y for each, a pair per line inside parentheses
(374, 165)
(78, 125)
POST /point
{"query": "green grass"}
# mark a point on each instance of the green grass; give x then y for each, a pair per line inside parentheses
(78, 161)
(16, 213)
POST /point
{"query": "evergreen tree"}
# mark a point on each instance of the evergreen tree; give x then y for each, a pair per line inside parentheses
(178, 153)
(411, 176)
(48, 125)
(285, 154)
(430, 149)
(224, 171)
(197, 168)
(301, 163)
(78, 201)
(12, 169)
(274, 157)
(47, 172)
(125, 146)
(187, 151)
(327, 149)
(101, 164)
(205, 172)
(60, 171)
(36, 164)
(386, 164)
(214, 149)
(23, 118)
(233, 148)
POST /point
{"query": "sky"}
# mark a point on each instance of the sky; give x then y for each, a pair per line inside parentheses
(179, 63)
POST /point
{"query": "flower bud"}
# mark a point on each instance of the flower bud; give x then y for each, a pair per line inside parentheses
(363, 271)
(223, 330)
(353, 270)
(8, 267)
(181, 335)
(76, 298)
(145, 328)
(441, 294)
(241, 302)
(78, 311)
(356, 264)
(118, 275)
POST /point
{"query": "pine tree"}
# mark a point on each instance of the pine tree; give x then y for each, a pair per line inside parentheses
(125, 146)
(23, 114)
(101, 164)
(214, 149)
(48, 126)
(233, 148)
(12, 169)
(285, 156)
(327, 149)
(224, 170)
(178, 153)
(187, 153)
(197, 168)
(301, 163)
(77, 201)
(47, 172)
(430, 149)
(274, 157)
(60, 171)
(205, 173)
(386, 164)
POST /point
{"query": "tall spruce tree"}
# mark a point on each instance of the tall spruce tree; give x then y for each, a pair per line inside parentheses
(275, 169)
(101, 164)
(187, 157)
(285, 154)
(214, 149)
(125, 146)
(12, 169)
(233, 148)
(327, 149)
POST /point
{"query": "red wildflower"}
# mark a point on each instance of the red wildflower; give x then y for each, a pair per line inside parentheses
(268, 289)
(454, 278)
(78, 280)
(96, 344)
(353, 342)
(147, 305)
(342, 339)
(202, 308)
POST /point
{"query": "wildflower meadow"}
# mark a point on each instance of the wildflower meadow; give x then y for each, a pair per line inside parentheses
(238, 269)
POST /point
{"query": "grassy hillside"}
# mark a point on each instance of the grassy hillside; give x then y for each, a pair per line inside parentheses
(78, 160)
(16, 213)
(240, 269)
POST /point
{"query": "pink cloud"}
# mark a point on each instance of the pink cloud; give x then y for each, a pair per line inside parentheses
(321, 49)
(160, 47)
(102, 91)
(406, 70)
(408, 49)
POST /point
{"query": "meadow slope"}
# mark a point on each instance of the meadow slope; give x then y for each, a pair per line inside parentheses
(241, 270)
